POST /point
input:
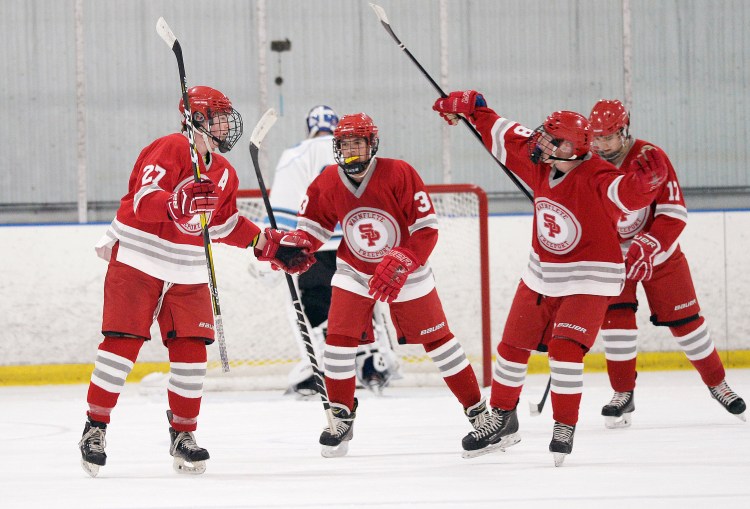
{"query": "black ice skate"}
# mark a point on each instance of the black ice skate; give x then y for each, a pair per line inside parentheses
(477, 414)
(617, 413)
(562, 442)
(188, 457)
(92, 446)
(498, 432)
(729, 399)
(336, 443)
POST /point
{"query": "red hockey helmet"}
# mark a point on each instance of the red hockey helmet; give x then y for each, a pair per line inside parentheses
(210, 107)
(609, 117)
(560, 127)
(358, 125)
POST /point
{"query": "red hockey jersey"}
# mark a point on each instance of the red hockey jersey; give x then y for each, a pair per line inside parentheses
(389, 208)
(149, 240)
(665, 218)
(575, 247)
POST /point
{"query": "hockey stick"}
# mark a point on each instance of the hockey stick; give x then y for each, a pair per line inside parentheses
(264, 124)
(168, 36)
(384, 21)
(536, 408)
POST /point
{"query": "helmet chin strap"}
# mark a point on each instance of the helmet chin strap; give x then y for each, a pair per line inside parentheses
(365, 167)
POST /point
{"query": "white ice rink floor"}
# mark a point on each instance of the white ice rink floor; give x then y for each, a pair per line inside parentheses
(683, 451)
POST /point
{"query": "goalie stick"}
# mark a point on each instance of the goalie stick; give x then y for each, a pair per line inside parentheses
(380, 12)
(169, 38)
(264, 124)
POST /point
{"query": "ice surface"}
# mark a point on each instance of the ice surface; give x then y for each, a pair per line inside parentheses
(682, 451)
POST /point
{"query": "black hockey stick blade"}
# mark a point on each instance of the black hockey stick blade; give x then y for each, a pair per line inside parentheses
(535, 409)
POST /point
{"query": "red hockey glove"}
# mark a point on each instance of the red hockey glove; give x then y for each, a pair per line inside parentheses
(287, 251)
(391, 273)
(639, 262)
(194, 198)
(458, 103)
(651, 170)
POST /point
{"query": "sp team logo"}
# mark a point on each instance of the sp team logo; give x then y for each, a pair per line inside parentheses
(370, 233)
(631, 223)
(557, 230)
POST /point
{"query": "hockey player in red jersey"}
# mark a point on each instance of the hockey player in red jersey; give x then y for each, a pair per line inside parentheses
(575, 264)
(157, 272)
(389, 230)
(649, 239)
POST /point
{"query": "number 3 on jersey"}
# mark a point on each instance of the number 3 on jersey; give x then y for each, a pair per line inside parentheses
(423, 200)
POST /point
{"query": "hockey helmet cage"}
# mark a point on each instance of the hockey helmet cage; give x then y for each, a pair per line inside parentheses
(358, 125)
(208, 106)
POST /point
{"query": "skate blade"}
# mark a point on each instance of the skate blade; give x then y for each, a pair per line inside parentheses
(190, 468)
(741, 417)
(90, 468)
(335, 451)
(559, 458)
(507, 441)
(611, 422)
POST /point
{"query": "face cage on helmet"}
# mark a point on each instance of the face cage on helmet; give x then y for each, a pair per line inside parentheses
(615, 155)
(234, 131)
(358, 167)
(536, 152)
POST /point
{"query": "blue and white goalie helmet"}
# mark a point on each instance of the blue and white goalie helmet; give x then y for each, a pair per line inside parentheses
(321, 118)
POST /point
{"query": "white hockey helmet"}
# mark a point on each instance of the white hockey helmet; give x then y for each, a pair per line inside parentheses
(321, 118)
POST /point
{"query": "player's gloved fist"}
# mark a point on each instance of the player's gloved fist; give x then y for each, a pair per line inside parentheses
(287, 251)
(639, 262)
(391, 273)
(194, 198)
(651, 170)
(458, 103)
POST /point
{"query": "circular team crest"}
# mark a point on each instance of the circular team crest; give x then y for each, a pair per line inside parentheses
(370, 233)
(557, 230)
(631, 223)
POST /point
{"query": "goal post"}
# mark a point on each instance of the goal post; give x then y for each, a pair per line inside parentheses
(260, 332)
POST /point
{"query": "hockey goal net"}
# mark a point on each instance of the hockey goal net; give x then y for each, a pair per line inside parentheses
(260, 342)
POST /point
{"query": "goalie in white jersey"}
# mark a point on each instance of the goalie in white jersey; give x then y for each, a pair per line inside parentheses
(298, 166)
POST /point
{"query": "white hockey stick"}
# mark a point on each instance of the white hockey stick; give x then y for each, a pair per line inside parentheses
(380, 12)
(169, 38)
(264, 124)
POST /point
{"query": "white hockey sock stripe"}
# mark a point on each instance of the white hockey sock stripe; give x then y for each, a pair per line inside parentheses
(698, 344)
(186, 378)
(110, 371)
(567, 377)
(338, 362)
(449, 358)
(620, 344)
(512, 374)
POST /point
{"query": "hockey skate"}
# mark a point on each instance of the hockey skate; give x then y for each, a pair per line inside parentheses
(477, 414)
(498, 432)
(618, 412)
(92, 446)
(734, 404)
(336, 443)
(188, 457)
(562, 442)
